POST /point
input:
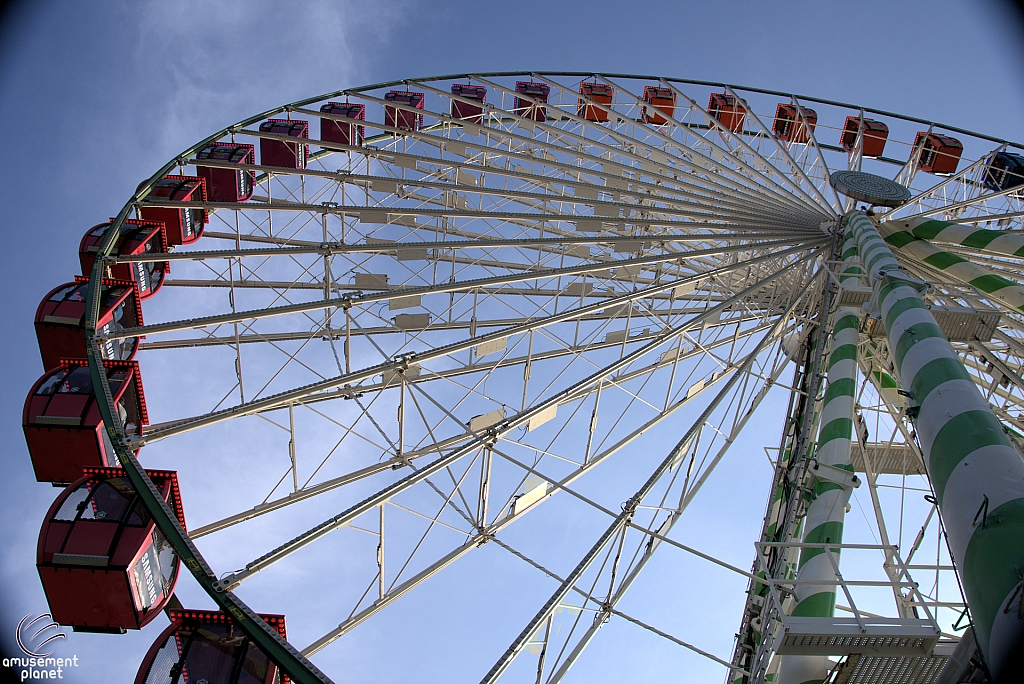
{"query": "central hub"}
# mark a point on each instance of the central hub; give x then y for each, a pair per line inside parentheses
(867, 187)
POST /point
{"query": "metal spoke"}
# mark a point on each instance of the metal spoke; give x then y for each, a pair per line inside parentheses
(452, 311)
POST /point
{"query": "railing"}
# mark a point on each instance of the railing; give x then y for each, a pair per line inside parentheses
(864, 633)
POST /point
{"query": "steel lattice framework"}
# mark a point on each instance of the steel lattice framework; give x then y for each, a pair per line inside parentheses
(424, 340)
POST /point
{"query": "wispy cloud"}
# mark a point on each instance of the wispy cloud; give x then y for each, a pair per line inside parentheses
(202, 66)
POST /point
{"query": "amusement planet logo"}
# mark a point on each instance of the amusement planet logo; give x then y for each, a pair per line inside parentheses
(33, 636)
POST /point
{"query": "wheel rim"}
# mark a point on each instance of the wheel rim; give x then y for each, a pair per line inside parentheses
(722, 242)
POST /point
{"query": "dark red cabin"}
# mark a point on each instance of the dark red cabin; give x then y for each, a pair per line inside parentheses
(875, 135)
(939, 153)
(183, 225)
(227, 184)
(527, 108)
(403, 118)
(658, 100)
(728, 110)
(104, 565)
(207, 646)
(137, 237)
(793, 123)
(62, 422)
(601, 93)
(60, 321)
(466, 110)
(286, 154)
(342, 132)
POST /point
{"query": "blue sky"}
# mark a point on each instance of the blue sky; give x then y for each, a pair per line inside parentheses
(100, 94)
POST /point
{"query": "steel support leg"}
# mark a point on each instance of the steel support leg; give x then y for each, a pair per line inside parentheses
(977, 475)
(832, 484)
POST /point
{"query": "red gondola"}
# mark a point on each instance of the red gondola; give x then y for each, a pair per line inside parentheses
(104, 565)
(466, 110)
(60, 320)
(182, 225)
(601, 93)
(728, 110)
(658, 100)
(403, 118)
(793, 123)
(875, 135)
(527, 108)
(226, 184)
(342, 132)
(939, 153)
(62, 422)
(289, 155)
(207, 646)
(137, 237)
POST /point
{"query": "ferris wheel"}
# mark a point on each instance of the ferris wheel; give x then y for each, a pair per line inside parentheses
(489, 354)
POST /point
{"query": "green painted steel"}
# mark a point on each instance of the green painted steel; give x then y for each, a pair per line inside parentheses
(1010, 243)
(977, 475)
(995, 286)
(827, 509)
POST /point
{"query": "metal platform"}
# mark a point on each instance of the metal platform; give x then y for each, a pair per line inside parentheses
(964, 325)
(867, 669)
(958, 324)
(877, 649)
(887, 459)
(854, 295)
(865, 636)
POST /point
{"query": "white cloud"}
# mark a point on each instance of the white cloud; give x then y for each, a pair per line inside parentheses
(203, 66)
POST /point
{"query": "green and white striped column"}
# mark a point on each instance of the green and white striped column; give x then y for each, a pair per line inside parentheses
(850, 271)
(833, 483)
(995, 241)
(977, 475)
(999, 288)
